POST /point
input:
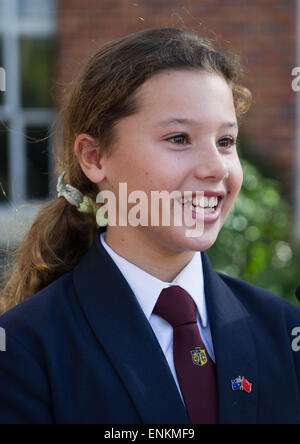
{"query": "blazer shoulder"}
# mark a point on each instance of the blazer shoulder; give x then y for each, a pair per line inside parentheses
(256, 298)
(41, 312)
(33, 337)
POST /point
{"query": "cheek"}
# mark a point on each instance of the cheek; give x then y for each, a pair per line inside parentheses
(236, 177)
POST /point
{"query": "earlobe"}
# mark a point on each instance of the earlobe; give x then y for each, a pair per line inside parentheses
(87, 151)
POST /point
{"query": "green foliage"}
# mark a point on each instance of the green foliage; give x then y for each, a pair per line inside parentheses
(255, 242)
(37, 72)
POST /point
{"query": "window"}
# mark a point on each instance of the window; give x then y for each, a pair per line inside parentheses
(36, 9)
(37, 162)
(36, 70)
(27, 29)
(1, 65)
(3, 164)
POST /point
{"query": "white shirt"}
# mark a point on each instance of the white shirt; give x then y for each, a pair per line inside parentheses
(147, 289)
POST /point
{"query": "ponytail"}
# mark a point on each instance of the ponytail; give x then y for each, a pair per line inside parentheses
(55, 243)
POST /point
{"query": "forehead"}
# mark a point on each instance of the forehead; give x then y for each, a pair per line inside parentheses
(192, 94)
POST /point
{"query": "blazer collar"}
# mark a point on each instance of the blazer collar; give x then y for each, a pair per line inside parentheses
(234, 348)
(127, 337)
(124, 332)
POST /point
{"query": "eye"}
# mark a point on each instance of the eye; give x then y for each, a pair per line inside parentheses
(227, 142)
(178, 137)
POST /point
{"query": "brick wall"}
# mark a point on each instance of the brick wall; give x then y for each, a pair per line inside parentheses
(263, 32)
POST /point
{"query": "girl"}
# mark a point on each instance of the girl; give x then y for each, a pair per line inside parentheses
(128, 323)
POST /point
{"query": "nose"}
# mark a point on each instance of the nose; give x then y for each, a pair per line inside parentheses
(211, 163)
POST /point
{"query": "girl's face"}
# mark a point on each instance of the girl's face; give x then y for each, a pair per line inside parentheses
(183, 138)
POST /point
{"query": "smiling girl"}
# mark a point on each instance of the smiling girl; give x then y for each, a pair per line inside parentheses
(129, 323)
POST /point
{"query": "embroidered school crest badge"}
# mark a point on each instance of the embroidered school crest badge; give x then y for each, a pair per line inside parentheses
(199, 356)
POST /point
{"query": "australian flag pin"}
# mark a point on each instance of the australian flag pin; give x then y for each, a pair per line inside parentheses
(241, 383)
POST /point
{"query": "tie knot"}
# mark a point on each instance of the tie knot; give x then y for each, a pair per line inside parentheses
(176, 306)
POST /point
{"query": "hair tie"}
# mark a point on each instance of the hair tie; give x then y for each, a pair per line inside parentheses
(71, 194)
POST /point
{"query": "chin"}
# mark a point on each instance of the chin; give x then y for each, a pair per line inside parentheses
(200, 244)
(205, 240)
(176, 239)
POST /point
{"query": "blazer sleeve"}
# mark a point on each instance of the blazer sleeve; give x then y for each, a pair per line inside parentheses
(24, 388)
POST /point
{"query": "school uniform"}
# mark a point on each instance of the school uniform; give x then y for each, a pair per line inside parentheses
(87, 348)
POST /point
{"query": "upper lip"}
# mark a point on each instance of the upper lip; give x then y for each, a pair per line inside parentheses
(207, 193)
(210, 193)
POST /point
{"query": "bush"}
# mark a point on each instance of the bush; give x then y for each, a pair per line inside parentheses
(255, 243)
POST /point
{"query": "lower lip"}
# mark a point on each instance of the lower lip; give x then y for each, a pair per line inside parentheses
(208, 218)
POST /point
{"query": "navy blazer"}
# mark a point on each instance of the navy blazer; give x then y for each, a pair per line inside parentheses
(81, 351)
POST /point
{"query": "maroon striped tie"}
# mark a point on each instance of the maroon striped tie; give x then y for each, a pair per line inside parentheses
(194, 368)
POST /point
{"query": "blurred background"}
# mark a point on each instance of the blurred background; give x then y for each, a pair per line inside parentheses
(43, 43)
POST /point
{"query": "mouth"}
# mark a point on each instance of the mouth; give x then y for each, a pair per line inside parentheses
(205, 204)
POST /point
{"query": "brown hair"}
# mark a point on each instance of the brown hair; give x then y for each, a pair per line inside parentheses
(101, 95)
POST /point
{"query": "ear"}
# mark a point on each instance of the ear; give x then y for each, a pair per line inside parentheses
(87, 151)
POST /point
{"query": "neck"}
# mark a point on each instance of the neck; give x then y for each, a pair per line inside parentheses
(152, 257)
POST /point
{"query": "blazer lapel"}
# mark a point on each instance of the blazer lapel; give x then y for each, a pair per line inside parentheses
(234, 349)
(127, 337)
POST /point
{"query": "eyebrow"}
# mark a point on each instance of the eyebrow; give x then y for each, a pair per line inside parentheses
(192, 122)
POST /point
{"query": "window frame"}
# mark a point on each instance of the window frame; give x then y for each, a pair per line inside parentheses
(11, 29)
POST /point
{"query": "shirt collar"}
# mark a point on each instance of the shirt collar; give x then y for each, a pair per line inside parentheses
(147, 288)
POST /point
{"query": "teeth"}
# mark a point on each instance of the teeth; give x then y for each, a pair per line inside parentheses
(203, 210)
(213, 202)
(203, 206)
(203, 202)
